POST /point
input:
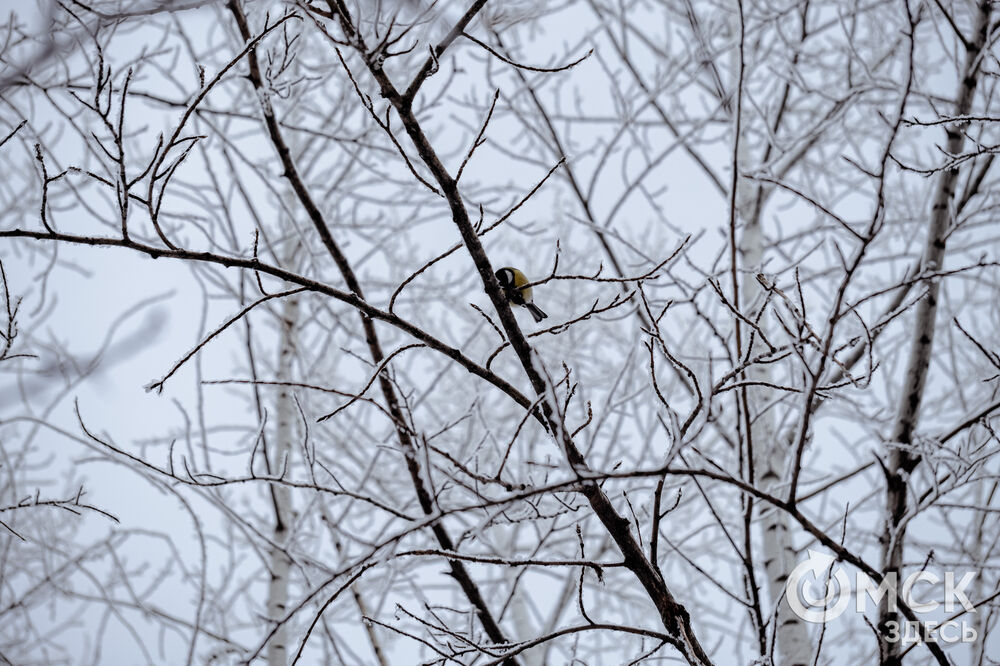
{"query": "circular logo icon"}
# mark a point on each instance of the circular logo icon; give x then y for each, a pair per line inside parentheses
(800, 590)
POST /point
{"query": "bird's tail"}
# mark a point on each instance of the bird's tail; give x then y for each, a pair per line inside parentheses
(535, 311)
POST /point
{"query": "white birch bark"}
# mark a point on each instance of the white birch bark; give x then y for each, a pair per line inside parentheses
(769, 457)
(280, 454)
(769, 453)
(902, 460)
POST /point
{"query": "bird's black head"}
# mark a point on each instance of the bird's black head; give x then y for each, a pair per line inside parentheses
(506, 277)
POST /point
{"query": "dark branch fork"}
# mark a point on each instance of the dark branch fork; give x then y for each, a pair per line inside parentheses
(674, 615)
(389, 394)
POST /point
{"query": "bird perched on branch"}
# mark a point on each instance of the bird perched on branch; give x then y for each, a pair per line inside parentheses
(513, 282)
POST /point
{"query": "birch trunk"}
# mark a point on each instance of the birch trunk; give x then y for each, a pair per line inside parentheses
(769, 453)
(769, 458)
(280, 453)
(902, 459)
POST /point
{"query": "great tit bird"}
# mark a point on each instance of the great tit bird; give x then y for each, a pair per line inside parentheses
(513, 281)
